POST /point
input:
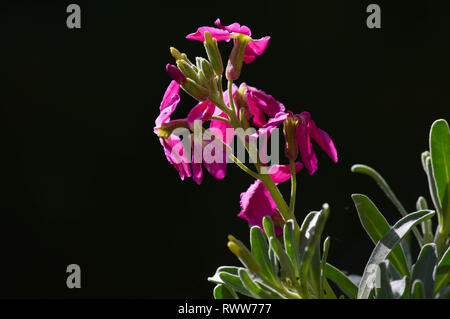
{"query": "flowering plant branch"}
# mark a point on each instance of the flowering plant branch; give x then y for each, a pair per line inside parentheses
(286, 259)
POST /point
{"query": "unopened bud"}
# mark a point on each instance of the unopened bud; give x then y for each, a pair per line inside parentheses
(237, 57)
(177, 55)
(188, 70)
(244, 255)
(166, 129)
(241, 101)
(213, 53)
(195, 90)
(207, 69)
(175, 74)
(291, 149)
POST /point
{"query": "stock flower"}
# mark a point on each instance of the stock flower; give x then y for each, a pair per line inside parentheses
(305, 129)
(177, 152)
(256, 202)
(225, 33)
(261, 104)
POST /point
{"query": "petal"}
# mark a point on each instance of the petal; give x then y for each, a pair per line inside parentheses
(324, 140)
(216, 165)
(197, 172)
(307, 154)
(255, 48)
(218, 34)
(263, 101)
(177, 159)
(202, 112)
(281, 173)
(169, 103)
(234, 27)
(256, 203)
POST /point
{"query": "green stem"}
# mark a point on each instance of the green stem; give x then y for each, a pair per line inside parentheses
(219, 118)
(293, 186)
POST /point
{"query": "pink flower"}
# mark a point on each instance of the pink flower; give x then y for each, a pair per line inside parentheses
(305, 129)
(176, 152)
(256, 202)
(225, 33)
(262, 104)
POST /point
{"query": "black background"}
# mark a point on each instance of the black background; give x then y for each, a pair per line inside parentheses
(85, 179)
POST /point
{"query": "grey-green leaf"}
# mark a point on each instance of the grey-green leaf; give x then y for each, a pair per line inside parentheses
(387, 244)
(443, 272)
(260, 249)
(291, 245)
(342, 281)
(221, 291)
(440, 157)
(425, 269)
(385, 290)
(376, 227)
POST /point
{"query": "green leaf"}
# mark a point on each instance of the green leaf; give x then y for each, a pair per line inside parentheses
(443, 272)
(386, 245)
(342, 281)
(440, 157)
(323, 278)
(425, 269)
(221, 291)
(385, 289)
(269, 227)
(369, 171)
(310, 234)
(418, 290)
(285, 261)
(260, 250)
(228, 269)
(254, 287)
(235, 283)
(376, 227)
(291, 245)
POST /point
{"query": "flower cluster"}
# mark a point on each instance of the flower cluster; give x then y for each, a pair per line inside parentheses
(225, 112)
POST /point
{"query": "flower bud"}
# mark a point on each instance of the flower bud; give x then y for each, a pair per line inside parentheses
(195, 90)
(291, 149)
(241, 101)
(175, 74)
(177, 55)
(207, 69)
(213, 53)
(237, 57)
(188, 70)
(244, 255)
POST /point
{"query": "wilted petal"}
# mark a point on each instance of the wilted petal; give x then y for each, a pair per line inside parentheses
(218, 34)
(255, 48)
(307, 154)
(281, 173)
(256, 203)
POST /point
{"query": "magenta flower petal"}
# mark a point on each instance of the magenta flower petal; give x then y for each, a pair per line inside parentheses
(307, 154)
(216, 165)
(197, 172)
(223, 130)
(281, 173)
(258, 99)
(256, 203)
(169, 103)
(324, 140)
(176, 157)
(234, 27)
(202, 111)
(218, 34)
(255, 48)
